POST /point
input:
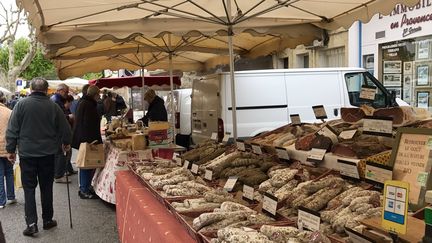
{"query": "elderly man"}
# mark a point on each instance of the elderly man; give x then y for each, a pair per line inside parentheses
(38, 128)
(156, 109)
(60, 158)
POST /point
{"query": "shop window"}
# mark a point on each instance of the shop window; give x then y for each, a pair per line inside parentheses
(334, 57)
(285, 63)
(303, 61)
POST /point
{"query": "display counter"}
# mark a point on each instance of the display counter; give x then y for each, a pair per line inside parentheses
(141, 217)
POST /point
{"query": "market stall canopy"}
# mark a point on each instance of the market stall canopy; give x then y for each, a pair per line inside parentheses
(190, 53)
(154, 82)
(74, 83)
(93, 20)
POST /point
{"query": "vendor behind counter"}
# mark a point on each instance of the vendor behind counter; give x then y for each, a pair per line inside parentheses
(156, 109)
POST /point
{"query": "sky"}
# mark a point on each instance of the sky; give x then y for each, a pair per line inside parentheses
(23, 30)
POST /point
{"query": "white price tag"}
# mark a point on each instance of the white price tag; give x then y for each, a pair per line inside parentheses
(316, 155)
(208, 175)
(309, 219)
(214, 136)
(282, 153)
(195, 168)
(295, 119)
(320, 112)
(241, 146)
(256, 149)
(248, 192)
(178, 161)
(378, 126)
(230, 183)
(270, 204)
(378, 173)
(348, 134)
(349, 168)
(186, 164)
(327, 131)
(226, 137)
(367, 93)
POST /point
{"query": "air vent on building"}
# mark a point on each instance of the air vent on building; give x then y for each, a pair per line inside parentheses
(380, 34)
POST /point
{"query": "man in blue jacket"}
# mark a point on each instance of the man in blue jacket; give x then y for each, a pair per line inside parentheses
(37, 128)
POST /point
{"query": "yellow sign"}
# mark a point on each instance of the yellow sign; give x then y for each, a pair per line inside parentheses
(395, 210)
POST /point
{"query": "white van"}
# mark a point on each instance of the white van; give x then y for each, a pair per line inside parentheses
(182, 107)
(266, 98)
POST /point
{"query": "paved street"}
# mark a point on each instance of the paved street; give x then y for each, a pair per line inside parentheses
(93, 220)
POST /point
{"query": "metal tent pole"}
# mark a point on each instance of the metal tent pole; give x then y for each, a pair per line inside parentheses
(231, 57)
(172, 94)
(142, 90)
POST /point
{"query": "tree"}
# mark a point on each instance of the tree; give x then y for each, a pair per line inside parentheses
(91, 76)
(10, 20)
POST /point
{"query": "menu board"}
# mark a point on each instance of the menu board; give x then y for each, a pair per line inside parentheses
(412, 163)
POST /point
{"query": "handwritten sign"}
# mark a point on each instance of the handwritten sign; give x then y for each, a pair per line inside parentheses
(214, 136)
(241, 146)
(177, 159)
(186, 164)
(411, 162)
(308, 219)
(349, 168)
(320, 112)
(377, 173)
(230, 183)
(367, 93)
(327, 131)
(270, 204)
(348, 134)
(316, 155)
(226, 137)
(380, 126)
(295, 119)
(256, 149)
(248, 192)
(208, 175)
(282, 153)
(195, 168)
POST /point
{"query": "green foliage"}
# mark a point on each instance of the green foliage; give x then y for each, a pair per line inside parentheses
(39, 66)
(91, 76)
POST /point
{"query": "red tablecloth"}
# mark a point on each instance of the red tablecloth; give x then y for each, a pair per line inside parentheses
(141, 217)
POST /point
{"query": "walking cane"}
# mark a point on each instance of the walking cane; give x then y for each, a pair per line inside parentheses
(68, 195)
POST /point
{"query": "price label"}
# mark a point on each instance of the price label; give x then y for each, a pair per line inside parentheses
(208, 175)
(230, 183)
(380, 126)
(241, 146)
(282, 153)
(178, 161)
(295, 119)
(367, 93)
(357, 237)
(377, 173)
(327, 131)
(316, 155)
(226, 137)
(256, 149)
(195, 168)
(349, 168)
(348, 134)
(320, 112)
(248, 192)
(186, 164)
(270, 204)
(214, 136)
(308, 219)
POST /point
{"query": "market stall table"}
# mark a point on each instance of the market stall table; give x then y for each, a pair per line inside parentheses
(141, 217)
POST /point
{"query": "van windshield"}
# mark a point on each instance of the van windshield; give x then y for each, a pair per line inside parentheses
(355, 82)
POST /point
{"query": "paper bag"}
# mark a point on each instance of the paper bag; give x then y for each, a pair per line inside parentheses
(17, 176)
(90, 156)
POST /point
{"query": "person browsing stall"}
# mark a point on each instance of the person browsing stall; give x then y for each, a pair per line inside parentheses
(156, 109)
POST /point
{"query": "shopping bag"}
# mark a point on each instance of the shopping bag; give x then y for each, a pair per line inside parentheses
(90, 156)
(17, 176)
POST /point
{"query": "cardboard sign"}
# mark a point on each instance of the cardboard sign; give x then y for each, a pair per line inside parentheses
(327, 131)
(377, 173)
(208, 175)
(194, 169)
(214, 136)
(186, 164)
(308, 219)
(226, 137)
(348, 134)
(230, 183)
(320, 112)
(282, 153)
(380, 126)
(367, 93)
(295, 119)
(270, 204)
(412, 163)
(316, 155)
(349, 168)
(256, 149)
(357, 237)
(248, 192)
(395, 210)
(241, 145)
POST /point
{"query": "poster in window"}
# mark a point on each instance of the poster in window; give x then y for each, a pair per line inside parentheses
(423, 50)
(397, 90)
(392, 79)
(423, 99)
(408, 67)
(392, 66)
(407, 87)
(407, 95)
(369, 61)
(422, 75)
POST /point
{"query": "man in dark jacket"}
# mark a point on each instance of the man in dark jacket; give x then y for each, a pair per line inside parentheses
(156, 110)
(37, 127)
